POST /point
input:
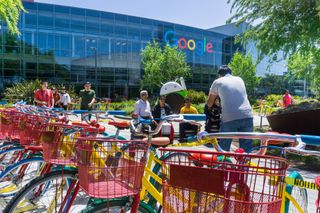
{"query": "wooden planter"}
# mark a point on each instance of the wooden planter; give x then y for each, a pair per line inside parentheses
(303, 122)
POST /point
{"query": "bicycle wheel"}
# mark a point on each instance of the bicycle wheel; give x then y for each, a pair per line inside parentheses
(9, 156)
(299, 194)
(115, 205)
(15, 176)
(43, 194)
(5, 145)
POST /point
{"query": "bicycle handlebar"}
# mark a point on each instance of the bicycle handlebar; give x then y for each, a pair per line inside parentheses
(135, 130)
(299, 141)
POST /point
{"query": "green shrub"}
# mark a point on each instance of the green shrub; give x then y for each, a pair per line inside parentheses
(25, 91)
(199, 107)
(197, 97)
(127, 106)
(274, 102)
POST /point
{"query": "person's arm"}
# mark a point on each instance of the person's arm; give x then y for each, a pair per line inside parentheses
(39, 102)
(137, 110)
(213, 94)
(93, 100)
(211, 99)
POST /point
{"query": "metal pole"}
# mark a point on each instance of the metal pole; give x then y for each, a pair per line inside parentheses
(96, 69)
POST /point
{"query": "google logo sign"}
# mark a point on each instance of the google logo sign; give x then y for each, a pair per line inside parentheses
(199, 46)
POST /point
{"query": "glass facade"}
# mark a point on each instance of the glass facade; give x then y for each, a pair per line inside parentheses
(71, 46)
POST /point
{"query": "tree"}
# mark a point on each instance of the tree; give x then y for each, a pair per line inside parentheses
(288, 25)
(307, 66)
(9, 13)
(162, 65)
(292, 26)
(244, 67)
(273, 84)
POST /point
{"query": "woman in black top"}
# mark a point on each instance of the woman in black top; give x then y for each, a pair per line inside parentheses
(161, 109)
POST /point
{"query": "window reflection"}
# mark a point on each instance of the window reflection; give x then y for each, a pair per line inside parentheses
(62, 39)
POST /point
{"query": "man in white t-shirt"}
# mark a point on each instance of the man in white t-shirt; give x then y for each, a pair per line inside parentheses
(236, 115)
(65, 98)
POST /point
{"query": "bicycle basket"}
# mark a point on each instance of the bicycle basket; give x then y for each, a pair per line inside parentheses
(106, 170)
(13, 120)
(58, 142)
(229, 183)
(30, 129)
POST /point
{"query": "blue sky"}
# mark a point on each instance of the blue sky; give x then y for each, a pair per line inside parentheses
(197, 13)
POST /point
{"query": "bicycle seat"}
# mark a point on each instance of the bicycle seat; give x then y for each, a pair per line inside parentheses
(159, 141)
(120, 124)
(276, 142)
(204, 159)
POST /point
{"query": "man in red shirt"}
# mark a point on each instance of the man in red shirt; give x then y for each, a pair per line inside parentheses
(44, 96)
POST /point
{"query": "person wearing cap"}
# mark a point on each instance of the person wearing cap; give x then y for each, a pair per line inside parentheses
(44, 96)
(65, 98)
(87, 98)
(236, 111)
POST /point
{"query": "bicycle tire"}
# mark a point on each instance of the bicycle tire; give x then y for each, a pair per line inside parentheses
(15, 179)
(5, 146)
(115, 205)
(302, 193)
(6, 160)
(43, 179)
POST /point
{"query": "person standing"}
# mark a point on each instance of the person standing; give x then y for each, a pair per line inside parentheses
(87, 98)
(185, 126)
(56, 97)
(236, 111)
(44, 96)
(65, 98)
(287, 99)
